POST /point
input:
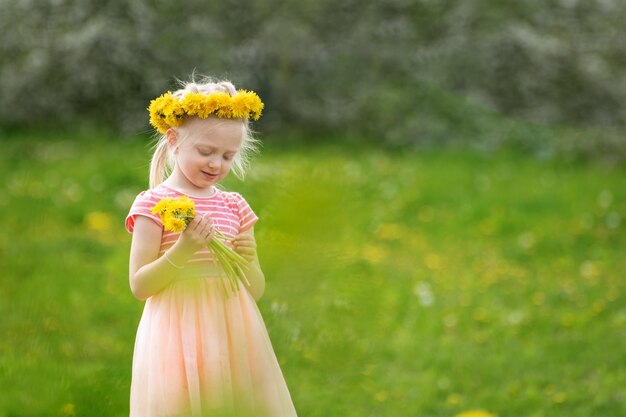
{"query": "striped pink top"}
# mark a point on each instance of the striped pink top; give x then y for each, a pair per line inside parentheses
(230, 212)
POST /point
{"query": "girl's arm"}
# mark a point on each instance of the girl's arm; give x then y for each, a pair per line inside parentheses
(149, 273)
(255, 275)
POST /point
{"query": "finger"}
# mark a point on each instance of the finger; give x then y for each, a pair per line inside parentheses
(204, 221)
(241, 248)
(248, 257)
(199, 222)
(210, 232)
(250, 245)
(245, 251)
(193, 225)
(245, 239)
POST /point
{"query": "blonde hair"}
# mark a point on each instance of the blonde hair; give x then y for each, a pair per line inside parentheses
(162, 162)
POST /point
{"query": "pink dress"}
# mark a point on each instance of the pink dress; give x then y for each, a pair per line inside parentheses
(198, 351)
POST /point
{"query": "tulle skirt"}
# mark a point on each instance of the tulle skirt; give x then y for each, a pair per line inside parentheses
(200, 352)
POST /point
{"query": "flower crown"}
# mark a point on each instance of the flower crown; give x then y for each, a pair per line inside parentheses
(167, 111)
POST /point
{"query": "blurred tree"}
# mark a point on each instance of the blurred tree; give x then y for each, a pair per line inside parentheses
(382, 69)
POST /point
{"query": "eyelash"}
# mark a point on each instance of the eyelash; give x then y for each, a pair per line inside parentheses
(228, 158)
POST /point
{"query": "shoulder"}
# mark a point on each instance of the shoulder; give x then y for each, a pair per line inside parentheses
(236, 201)
(239, 205)
(153, 195)
(232, 198)
(142, 205)
(160, 191)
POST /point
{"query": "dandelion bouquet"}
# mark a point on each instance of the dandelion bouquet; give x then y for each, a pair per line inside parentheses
(177, 213)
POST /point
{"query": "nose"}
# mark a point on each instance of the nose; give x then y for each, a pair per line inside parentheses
(215, 163)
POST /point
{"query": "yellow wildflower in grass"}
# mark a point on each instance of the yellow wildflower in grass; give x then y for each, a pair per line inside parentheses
(68, 410)
(381, 395)
(390, 231)
(177, 213)
(559, 397)
(475, 413)
(98, 221)
(432, 261)
(373, 254)
(453, 399)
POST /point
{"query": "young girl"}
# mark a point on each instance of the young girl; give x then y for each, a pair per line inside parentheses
(200, 351)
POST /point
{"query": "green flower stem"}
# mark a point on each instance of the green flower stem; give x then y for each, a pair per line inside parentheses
(231, 262)
(221, 279)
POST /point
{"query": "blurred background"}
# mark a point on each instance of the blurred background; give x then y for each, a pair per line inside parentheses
(444, 178)
(402, 72)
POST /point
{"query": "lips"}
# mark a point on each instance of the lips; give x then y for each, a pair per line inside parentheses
(209, 175)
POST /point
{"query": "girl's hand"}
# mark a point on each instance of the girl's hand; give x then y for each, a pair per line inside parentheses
(198, 232)
(245, 245)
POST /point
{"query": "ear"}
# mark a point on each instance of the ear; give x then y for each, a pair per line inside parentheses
(172, 139)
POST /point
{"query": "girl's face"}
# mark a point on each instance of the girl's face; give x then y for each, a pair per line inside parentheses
(205, 155)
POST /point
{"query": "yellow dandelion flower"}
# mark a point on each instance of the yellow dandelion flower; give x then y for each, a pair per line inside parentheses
(224, 108)
(432, 261)
(176, 213)
(373, 254)
(159, 124)
(239, 106)
(475, 413)
(211, 104)
(389, 231)
(169, 104)
(68, 410)
(183, 204)
(162, 206)
(254, 104)
(454, 399)
(175, 224)
(98, 221)
(157, 111)
(381, 395)
(156, 105)
(165, 111)
(174, 112)
(560, 397)
(193, 104)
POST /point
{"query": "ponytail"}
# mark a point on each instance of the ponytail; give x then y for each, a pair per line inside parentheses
(160, 165)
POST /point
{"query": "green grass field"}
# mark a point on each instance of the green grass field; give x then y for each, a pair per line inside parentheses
(398, 284)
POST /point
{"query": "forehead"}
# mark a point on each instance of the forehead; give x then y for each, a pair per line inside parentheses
(214, 132)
